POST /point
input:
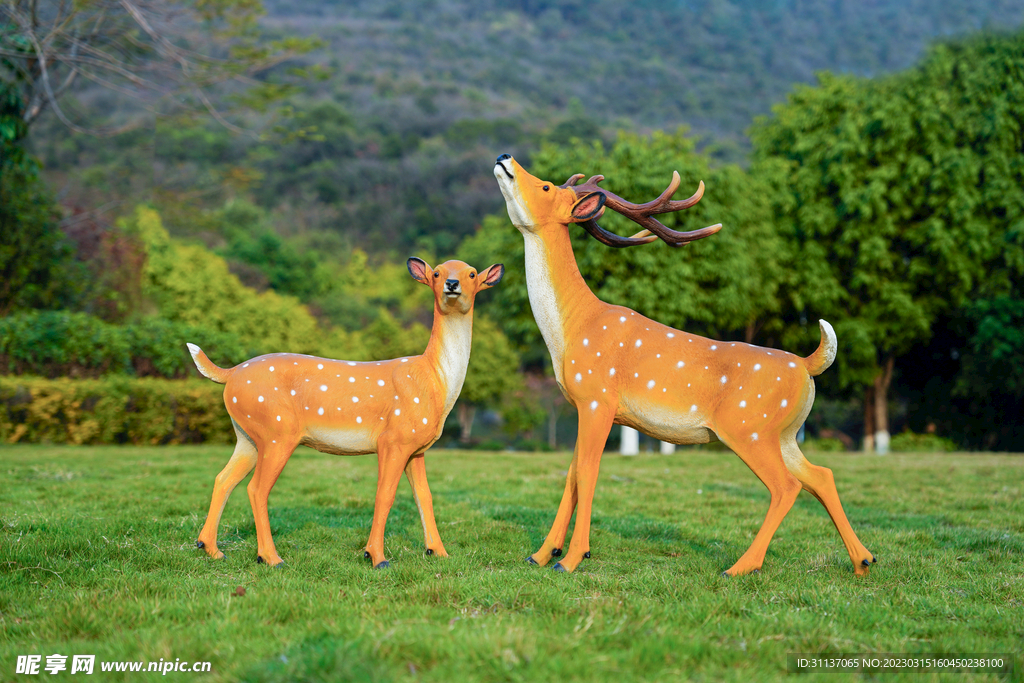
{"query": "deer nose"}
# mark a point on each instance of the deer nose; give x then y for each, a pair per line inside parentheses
(452, 284)
(503, 157)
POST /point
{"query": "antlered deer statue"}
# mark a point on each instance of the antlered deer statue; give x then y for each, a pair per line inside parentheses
(618, 367)
(394, 408)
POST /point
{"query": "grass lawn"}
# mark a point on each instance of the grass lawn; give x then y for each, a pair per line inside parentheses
(97, 556)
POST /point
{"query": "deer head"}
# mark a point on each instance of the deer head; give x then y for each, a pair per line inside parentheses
(455, 284)
(534, 204)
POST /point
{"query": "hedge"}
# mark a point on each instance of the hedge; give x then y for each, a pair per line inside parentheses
(112, 410)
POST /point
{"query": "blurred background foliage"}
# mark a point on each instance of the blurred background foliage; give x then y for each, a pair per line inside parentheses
(865, 172)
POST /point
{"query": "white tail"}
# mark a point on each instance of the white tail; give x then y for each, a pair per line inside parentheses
(617, 366)
(394, 408)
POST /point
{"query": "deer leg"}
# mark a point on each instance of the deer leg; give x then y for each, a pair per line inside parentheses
(764, 458)
(594, 425)
(242, 461)
(416, 472)
(391, 460)
(272, 459)
(819, 482)
(555, 540)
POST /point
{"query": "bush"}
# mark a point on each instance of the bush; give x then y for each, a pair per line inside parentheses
(112, 410)
(60, 343)
(824, 445)
(909, 442)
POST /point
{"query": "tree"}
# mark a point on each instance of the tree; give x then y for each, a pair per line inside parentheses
(171, 52)
(493, 373)
(905, 197)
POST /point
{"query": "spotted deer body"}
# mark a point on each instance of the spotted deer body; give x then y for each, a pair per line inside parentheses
(619, 367)
(394, 408)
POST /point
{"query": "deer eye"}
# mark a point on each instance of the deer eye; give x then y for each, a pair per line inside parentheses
(436, 274)
(472, 275)
(547, 187)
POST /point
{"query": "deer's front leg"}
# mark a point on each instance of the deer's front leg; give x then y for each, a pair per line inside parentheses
(391, 460)
(553, 544)
(416, 472)
(594, 425)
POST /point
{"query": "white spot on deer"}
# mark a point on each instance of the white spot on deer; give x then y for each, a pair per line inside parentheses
(693, 408)
(398, 411)
(320, 412)
(380, 383)
(739, 365)
(638, 343)
(636, 374)
(724, 379)
(680, 364)
(598, 354)
(622, 319)
(604, 327)
(246, 365)
(593, 405)
(319, 366)
(658, 356)
(359, 420)
(355, 399)
(573, 362)
(784, 403)
(792, 364)
(260, 399)
(590, 372)
(416, 400)
(650, 384)
(753, 437)
(586, 342)
(278, 418)
(579, 377)
(234, 399)
(778, 379)
(670, 335)
(248, 381)
(765, 415)
(713, 347)
(611, 372)
(293, 392)
(743, 404)
(621, 344)
(271, 368)
(757, 366)
(424, 420)
(351, 364)
(323, 387)
(769, 353)
(405, 360)
(351, 379)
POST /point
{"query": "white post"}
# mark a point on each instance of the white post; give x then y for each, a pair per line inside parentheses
(630, 444)
(667, 448)
(882, 442)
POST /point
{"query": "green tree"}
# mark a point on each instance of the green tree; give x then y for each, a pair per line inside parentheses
(905, 198)
(493, 373)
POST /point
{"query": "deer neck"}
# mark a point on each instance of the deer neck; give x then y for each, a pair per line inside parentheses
(451, 339)
(558, 293)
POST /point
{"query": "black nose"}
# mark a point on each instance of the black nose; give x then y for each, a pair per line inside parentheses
(452, 284)
(503, 157)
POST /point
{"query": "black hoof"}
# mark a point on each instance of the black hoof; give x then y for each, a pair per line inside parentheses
(382, 565)
(873, 559)
(530, 560)
(865, 563)
(557, 552)
(366, 554)
(200, 544)
(429, 551)
(586, 555)
(260, 560)
(558, 567)
(725, 575)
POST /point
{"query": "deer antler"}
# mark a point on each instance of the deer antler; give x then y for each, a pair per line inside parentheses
(642, 214)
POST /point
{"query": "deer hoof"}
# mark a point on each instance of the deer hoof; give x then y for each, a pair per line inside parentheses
(260, 560)
(558, 567)
(429, 551)
(382, 565)
(200, 545)
(530, 560)
(366, 554)
(865, 563)
(557, 552)
(726, 575)
(873, 559)
(587, 555)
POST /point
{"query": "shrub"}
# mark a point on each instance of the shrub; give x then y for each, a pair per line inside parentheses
(112, 410)
(909, 442)
(824, 445)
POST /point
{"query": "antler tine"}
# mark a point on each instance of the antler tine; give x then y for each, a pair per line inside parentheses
(571, 182)
(643, 215)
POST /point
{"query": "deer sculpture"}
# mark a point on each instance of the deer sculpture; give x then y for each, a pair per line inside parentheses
(619, 367)
(394, 408)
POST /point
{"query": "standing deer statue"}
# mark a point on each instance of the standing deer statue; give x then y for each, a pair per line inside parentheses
(618, 367)
(394, 408)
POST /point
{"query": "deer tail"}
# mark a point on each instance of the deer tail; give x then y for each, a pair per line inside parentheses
(207, 367)
(819, 361)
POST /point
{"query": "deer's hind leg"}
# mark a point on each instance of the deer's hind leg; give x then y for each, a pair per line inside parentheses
(272, 459)
(819, 482)
(242, 461)
(763, 455)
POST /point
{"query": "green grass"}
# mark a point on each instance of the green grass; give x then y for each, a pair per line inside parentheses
(97, 556)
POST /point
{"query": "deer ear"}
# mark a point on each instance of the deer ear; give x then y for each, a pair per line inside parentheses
(589, 207)
(493, 276)
(419, 269)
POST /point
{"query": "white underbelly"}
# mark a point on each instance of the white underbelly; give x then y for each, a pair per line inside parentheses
(666, 424)
(340, 441)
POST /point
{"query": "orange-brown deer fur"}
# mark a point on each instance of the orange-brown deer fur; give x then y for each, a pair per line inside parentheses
(619, 367)
(394, 408)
